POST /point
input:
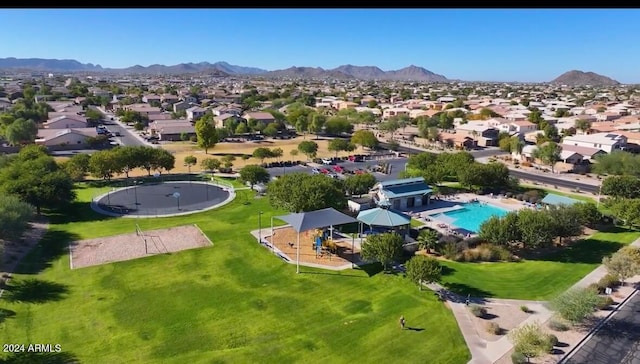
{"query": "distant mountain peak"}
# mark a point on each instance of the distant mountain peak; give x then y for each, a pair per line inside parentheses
(581, 78)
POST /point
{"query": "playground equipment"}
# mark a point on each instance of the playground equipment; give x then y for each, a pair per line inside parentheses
(323, 243)
(155, 240)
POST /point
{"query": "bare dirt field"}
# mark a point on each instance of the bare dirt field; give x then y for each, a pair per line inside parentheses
(285, 240)
(183, 149)
(86, 253)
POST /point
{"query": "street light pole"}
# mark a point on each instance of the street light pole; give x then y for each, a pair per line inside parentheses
(599, 194)
(135, 191)
(260, 227)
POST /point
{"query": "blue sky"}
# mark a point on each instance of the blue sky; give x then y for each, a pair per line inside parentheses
(481, 44)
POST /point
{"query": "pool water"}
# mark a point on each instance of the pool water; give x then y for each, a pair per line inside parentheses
(472, 215)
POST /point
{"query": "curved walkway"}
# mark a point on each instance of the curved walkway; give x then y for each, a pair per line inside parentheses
(484, 352)
(30, 240)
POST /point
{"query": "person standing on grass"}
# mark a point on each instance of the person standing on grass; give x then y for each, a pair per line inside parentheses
(402, 321)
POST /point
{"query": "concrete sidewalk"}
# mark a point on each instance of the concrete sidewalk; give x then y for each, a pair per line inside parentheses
(484, 352)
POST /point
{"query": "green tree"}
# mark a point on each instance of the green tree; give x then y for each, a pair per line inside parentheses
(516, 145)
(298, 192)
(210, 164)
(428, 239)
(621, 186)
(339, 145)
(262, 154)
(536, 227)
(308, 148)
(588, 213)
(384, 248)
(583, 125)
(566, 222)
(621, 265)
(338, 125)
(77, 166)
(38, 180)
(548, 153)
(14, 217)
(254, 174)
(627, 210)
(530, 340)
(241, 129)
(206, 134)
(390, 126)
(617, 163)
(576, 304)
(93, 115)
(21, 131)
(190, 161)
(422, 269)
(365, 139)
(270, 130)
(103, 164)
(277, 153)
(317, 123)
(359, 184)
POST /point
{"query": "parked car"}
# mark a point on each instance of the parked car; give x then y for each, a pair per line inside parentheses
(327, 161)
(324, 171)
(338, 169)
(315, 171)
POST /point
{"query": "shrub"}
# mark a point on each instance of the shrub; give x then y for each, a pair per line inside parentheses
(473, 242)
(605, 302)
(493, 328)
(524, 309)
(609, 280)
(478, 311)
(193, 139)
(596, 287)
(519, 197)
(552, 339)
(450, 250)
(518, 358)
(504, 254)
(509, 194)
(576, 304)
(558, 325)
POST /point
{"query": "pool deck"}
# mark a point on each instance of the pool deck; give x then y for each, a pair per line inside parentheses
(442, 205)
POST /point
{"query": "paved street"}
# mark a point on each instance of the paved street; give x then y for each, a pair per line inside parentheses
(616, 342)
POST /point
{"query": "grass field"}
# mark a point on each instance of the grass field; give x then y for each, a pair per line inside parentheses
(230, 303)
(535, 279)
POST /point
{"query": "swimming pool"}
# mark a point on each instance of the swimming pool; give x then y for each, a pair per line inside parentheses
(472, 215)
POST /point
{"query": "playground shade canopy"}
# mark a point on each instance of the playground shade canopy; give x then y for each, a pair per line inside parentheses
(383, 217)
(304, 221)
(556, 200)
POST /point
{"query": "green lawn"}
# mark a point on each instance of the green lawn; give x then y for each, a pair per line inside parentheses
(416, 223)
(229, 303)
(535, 279)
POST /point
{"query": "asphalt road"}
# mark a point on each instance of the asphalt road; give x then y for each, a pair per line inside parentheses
(617, 342)
(126, 134)
(551, 181)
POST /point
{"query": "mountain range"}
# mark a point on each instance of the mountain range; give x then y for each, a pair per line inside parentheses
(580, 78)
(221, 69)
(411, 73)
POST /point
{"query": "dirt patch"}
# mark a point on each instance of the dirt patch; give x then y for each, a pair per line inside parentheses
(285, 240)
(85, 253)
(506, 316)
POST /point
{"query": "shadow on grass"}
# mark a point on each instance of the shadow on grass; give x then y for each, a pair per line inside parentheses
(371, 269)
(5, 314)
(589, 251)
(77, 211)
(418, 329)
(476, 295)
(41, 358)
(52, 245)
(335, 273)
(35, 291)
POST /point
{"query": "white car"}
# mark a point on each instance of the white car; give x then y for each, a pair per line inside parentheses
(327, 161)
(315, 171)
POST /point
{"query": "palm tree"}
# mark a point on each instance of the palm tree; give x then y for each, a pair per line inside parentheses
(474, 134)
(428, 239)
